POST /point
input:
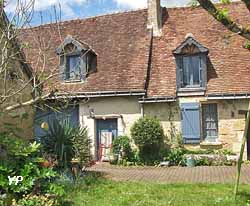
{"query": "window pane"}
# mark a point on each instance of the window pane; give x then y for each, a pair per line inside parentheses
(210, 122)
(186, 71)
(76, 67)
(191, 65)
(196, 70)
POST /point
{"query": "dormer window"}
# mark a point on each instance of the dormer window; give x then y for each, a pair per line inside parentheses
(191, 65)
(77, 60)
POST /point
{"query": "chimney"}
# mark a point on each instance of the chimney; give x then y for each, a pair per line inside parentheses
(155, 17)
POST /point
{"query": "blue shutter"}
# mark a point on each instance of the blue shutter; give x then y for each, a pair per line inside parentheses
(190, 121)
(203, 70)
(179, 72)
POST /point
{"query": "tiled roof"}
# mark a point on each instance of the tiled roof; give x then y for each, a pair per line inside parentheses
(229, 71)
(120, 40)
(122, 43)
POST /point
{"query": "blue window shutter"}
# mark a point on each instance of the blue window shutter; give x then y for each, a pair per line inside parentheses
(179, 71)
(190, 121)
(203, 70)
(91, 63)
(83, 67)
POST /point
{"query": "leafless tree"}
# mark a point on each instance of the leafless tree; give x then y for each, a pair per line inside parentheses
(19, 74)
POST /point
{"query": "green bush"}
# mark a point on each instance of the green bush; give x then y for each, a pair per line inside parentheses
(120, 145)
(66, 142)
(148, 135)
(22, 158)
(176, 156)
(35, 200)
(203, 162)
(81, 145)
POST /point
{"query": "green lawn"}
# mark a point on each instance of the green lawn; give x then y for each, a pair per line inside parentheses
(102, 192)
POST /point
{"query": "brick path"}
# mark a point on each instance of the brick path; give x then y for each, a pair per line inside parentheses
(217, 174)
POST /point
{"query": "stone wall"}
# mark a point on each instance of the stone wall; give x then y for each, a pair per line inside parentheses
(20, 121)
(230, 123)
(126, 109)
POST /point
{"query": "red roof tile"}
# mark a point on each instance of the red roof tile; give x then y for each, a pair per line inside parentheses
(230, 70)
(122, 43)
(120, 40)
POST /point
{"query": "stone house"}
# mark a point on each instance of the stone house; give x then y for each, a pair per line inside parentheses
(176, 64)
(15, 85)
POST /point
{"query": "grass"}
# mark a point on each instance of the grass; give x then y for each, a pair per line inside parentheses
(97, 191)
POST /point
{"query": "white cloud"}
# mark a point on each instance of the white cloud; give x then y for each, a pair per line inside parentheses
(42, 5)
(133, 4)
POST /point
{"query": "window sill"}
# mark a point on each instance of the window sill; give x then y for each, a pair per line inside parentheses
(183, 92)
(204, 143)
(211, 145)
(73, 81)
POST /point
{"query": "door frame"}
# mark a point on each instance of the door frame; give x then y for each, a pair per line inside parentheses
(97, 138)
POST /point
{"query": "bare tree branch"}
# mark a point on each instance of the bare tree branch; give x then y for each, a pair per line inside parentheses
(225, 20)
(29, 103)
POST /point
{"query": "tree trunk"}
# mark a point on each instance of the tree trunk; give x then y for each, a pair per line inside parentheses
(240, 160)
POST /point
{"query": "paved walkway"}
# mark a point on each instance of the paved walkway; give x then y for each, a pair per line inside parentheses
(211, 174)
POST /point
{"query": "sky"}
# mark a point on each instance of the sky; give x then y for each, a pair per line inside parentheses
(73, 9)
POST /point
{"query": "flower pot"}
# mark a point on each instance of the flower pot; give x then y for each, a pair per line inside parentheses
(45, 164)
(113, 157)
(190, 162)
(75, 161)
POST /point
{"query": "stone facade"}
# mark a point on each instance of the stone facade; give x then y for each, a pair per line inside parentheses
(127, 110)
(230, 123)
(19, 121)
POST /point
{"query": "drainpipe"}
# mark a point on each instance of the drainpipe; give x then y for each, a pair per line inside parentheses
(142, 110)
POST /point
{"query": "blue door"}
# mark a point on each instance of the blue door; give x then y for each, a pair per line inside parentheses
(106, 131)
(190, 122)
(70, 114)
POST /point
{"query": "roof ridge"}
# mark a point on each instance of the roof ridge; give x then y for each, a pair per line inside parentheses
(88, 18)
(119, 13)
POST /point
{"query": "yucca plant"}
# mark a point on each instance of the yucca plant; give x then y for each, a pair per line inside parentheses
(58, 142)
(66, 142)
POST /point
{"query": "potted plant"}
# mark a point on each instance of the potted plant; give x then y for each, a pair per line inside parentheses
(190, 161)
(47, 161)
(113, 158)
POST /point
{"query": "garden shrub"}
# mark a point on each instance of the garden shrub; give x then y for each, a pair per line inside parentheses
(22, 158)
(176, 156)
(81, 145)
(35, 200)
(203, 162)
(121, 146)
(148, 136)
